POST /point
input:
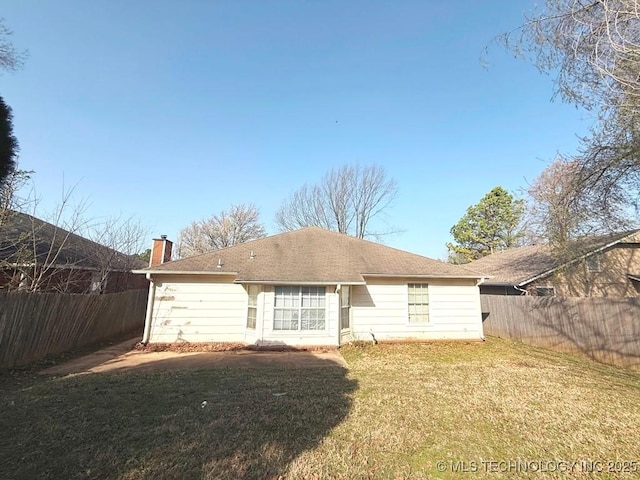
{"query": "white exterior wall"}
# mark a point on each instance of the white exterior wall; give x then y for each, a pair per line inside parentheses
(381, 308)
(214, 309)
(198, 309)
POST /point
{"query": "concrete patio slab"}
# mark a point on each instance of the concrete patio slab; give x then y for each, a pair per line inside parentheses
(124, 356)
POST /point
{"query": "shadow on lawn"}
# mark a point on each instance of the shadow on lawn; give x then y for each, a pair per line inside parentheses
(154, 424)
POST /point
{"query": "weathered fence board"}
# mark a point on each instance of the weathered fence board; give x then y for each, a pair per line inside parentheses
(605, 329)
(34, 325)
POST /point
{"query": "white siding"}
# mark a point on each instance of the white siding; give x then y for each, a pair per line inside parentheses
(198, 309)
(455, 311)
(214, 309)
(381, 308)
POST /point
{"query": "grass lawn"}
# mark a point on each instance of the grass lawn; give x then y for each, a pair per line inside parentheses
(397, 412)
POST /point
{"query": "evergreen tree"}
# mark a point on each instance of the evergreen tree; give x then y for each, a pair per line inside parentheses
(8, 142)
(491, 225)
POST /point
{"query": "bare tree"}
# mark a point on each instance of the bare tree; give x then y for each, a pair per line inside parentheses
(10, 198)
(593, 50)
(67, 252)
(239, 224)
(10, 57)
(117, 240)
(33, 251)
(305, 207)
(592, 47)
(609, 165)
(560, 210)
(552, 215)
(346, 200)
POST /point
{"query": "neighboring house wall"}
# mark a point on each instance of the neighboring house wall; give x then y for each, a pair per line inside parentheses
(38, 256)
(499, 290)
(53, 280)
(381, 308)
(69, 280)
(123, 281)
(609, 278)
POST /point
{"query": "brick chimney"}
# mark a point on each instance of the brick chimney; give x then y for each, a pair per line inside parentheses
(161, 251)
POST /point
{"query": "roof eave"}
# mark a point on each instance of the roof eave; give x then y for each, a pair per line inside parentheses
(402, 275)
(183, 272)
(546, 273)
(300, 282)
(54, 266)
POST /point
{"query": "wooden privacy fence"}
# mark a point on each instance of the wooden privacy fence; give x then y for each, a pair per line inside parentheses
(34, 325)
(604, 329)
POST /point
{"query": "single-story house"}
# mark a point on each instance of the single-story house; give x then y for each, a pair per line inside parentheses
(599, 266)
(309, 287)
(38, 256)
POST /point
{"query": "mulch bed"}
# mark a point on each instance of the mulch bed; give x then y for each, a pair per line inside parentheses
(188, 347)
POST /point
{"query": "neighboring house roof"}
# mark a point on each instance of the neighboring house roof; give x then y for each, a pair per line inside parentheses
(23, 237)
(312, 255)
(522, 265)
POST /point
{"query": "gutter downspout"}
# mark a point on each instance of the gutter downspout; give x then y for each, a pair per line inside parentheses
(260, 339)
(524, 292)
(148, 319)
(478, 283)
(339, 329)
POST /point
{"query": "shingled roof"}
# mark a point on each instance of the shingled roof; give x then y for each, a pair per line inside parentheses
(22, 236)
(312, 255)
(519, 266)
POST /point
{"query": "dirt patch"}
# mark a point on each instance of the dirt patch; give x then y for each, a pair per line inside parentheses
(127, 356)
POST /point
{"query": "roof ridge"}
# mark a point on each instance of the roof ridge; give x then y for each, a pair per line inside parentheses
(312, 254)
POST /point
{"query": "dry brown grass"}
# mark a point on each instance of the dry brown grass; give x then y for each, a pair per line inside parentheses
(502, 401)
(396, 413)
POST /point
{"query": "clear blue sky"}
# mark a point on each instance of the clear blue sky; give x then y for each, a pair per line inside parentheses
(174, 110)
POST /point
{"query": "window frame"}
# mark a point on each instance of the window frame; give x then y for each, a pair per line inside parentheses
(548, 288)
(596, 266)
(98, 283)
(252, 307)
(297, 307)
(345, 307)
(425, 316)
